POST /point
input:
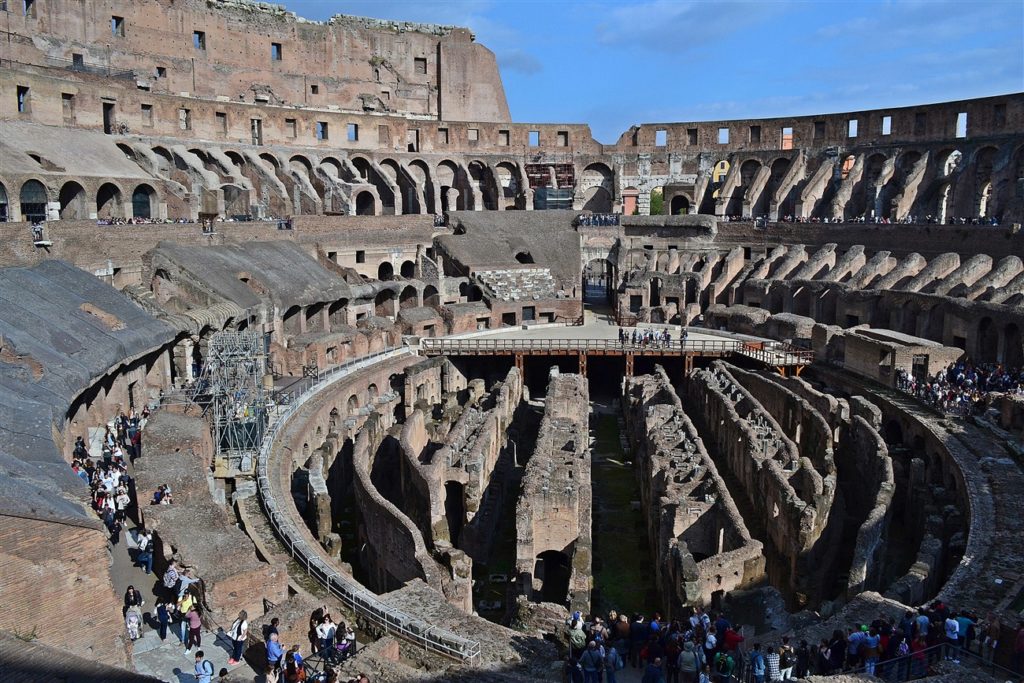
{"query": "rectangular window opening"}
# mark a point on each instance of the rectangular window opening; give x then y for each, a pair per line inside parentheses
(222, 122)
(185, 119)
(755, 135)
(920, 123)
(276, 53)
(420, 64)
(442, 136)
(723, 136)
(787, 138)
(473, 134)
(352, 132)
(161, 72)
(322, 131)
(360, 257)
(961, 124)
(886, 125)
(412, 140)
(67, 101)
(660, 137)
(691, 136)
(999, 115)
(819, 130)
(24, 94)
(199, 40)
(30, 8)
(256, 128)
(314, 89)
(562, 139)
(77, 61)
(503, 138)
(851, 128)
(147, 115)
(534, 138)
(117, 26)
(291, 128)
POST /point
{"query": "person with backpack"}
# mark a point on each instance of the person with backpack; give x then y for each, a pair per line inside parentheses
(238, 633)
(204, 669)
(592, 663)
(757, 664)
(613, 663)
(787, 659)
(689, 663)
(724, 664)
(170, 579)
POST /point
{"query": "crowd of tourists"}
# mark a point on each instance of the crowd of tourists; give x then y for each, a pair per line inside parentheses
(928, 219)
(649, 338)
(962, 387)
(598, 219)
(708, 648)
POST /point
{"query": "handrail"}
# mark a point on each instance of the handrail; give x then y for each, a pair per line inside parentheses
(350, 592)
(777, 354)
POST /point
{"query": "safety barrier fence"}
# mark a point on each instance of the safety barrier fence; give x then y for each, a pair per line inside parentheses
(356, 597)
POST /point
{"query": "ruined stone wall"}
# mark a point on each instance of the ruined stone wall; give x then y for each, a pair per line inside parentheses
(554, 509)
(51, 569)
(781, 487)
(867, 455)
(701, 544)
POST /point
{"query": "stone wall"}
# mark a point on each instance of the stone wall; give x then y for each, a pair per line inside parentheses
(554, 511)
(701, 544)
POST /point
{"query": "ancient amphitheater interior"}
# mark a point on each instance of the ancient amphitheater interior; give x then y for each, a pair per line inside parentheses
(395, 356)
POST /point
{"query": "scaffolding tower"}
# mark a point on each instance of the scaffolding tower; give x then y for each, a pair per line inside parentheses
(232, 381)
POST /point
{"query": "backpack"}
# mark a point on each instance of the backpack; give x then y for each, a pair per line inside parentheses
(722, 664)
(786, 659)
(207, 667)
(170, 578)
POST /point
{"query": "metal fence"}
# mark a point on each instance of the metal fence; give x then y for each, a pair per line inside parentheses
(351, 593)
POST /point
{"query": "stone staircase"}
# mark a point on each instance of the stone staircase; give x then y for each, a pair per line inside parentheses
(522, 284)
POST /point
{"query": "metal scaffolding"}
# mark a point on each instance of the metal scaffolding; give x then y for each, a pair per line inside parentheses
(232, 382)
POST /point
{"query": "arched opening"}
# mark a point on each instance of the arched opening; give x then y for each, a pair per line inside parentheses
(847, 166)
(984, 200)
(524, 257)
(431, 296)
(142, 201)
(988, 341)
(944, 197)
(657, 201)
(680, 205)
(384, 303)
(371, 393)
(475, 293)
(352, 405)
(364, 204)
(420, 173)
(554, 570)
(407, 299)
(407, 269)
(951, 162)
(108, 202)
(598, 282)
(452, 196)
(482, 177)
(1013, 350)
(292, 321)
(385, 271)
(455, 510)
(33, 201)
(73, 202)
(4, 211)
(597, 200)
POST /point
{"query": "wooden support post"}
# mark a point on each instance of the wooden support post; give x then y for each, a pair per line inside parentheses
(520, 362)
(629, 365)
(583, 364)
(687, 363)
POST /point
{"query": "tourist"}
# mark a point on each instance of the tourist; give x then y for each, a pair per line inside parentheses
(689, 663)
(758, 668)
(771, 660)
(144, 554)
(133, 622)
(952, 631)
(325, 631)
(133, 598)
(992, 629)
(204, 669)
(652, 672)
(724, 665)
(238, 633)
(870, 648)
(183, 607)
(170, 579)
(187, 580)
(613, 663)
(918, 657)
(572, 672)
(275, 653)
(705, 675)
(1018, 649)
(803, 660)
(637, 637)
(592, 663)
(163, 616)
(577, 638)
(195, 625)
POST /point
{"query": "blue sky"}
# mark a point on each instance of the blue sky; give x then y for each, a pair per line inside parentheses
(615, 64)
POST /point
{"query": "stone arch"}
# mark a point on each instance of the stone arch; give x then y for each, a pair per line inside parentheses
(372, 393)
(778, 170)
(949, 161)
(508, 184)
(373, 177)
(987, 341)
(398, 176)
(525, 257)
(236, 200)
(385, 271)
(330, 164)
(431, 297)
(366, 204)
(481, 176)
(597, 200)
(273, 161)
(407, 299)
(167, 163)
(109, 201)
(420, 172)
(301, 164)
(1013, 349)
(236, 158)
(33, 199)
(292, 320)
(74, 203)
(599, 280)
(680, 205)
(5, 212)
(407, 269)
(447, 174)
(352, 404)
(144, 201)
(384, 303)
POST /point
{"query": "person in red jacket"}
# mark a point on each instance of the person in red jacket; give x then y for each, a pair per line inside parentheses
(732, 638)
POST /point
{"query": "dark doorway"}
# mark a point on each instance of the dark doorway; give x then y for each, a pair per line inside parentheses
(553, 570)
(455, 509)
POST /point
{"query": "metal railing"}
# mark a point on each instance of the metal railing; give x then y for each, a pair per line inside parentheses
(351, 593)
(776, 354)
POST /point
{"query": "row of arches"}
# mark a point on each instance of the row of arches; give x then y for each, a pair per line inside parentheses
(76, 203)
